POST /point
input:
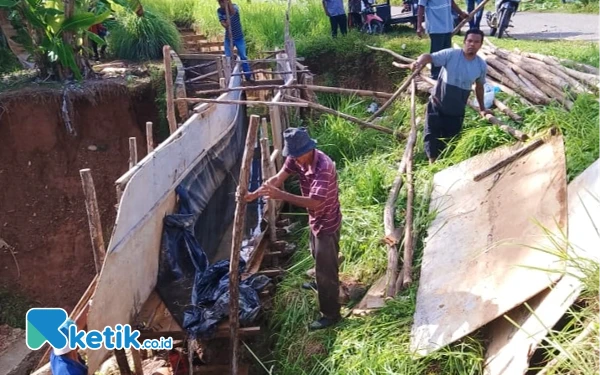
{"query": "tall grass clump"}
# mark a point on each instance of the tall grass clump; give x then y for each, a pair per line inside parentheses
(142, 38)
(180, 12)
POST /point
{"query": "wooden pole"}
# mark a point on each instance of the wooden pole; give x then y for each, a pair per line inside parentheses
(149, 137)
(243, 102)
(461, 24)
(335, 90)
(236, 243)
(504, 108)
(394, 54)
(502, 163)
(227, 4)
(169, 88)
(506, 128)
(396, 94)
(132, 152)
(138, 369)
(122, 362)
(406, 272)
(359, 122)
(93, 213)
(266, 174)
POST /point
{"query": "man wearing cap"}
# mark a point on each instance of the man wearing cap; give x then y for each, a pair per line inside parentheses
(65, 361)
(319, 186)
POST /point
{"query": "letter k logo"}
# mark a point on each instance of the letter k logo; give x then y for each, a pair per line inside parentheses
(43, 325)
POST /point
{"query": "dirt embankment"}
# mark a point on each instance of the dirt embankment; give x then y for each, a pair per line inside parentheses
(42, 208)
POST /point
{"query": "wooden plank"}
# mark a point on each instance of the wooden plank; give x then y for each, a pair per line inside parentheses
(169, 89)
(512, 344)
(130, 269)
(94, 222)
(481, 244)
(374, 299)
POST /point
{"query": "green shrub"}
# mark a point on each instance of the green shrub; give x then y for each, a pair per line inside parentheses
(142, 38)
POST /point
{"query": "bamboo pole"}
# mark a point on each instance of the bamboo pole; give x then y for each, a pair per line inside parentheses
(249, 103)
(132, 152)
(394, 54)
(470, 16)
(94, 222)
(335, 90)
(149, 137)
(396, 95)
(266, 174)
(359, 122)
(169, 88)
(236, 243)
(406, 272)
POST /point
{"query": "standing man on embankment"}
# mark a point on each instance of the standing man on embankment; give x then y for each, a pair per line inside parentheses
(319, 186)
(440, 25)
(460, 68)
(239, 41)
(334, 9)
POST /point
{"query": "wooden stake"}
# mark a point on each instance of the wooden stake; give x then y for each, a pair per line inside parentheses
(93, 213)
(149, 137)
(276, 133)
(169, 88)
(408, 227)
(525, 150)
(138, 369)
(132, 152)
(122, 362)
(236, 243)
(461, 23)
(396, 94)
(359, 122)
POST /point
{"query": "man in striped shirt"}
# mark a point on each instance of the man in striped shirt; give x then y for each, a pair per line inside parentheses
(236, 29)
(319, 187)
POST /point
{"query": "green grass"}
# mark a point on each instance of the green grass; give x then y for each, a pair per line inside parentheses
(141, 38)
(14, 308)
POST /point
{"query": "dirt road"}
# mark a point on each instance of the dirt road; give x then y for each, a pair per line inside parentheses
(530, 25)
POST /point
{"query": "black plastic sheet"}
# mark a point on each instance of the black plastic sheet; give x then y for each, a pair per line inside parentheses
(195, 292)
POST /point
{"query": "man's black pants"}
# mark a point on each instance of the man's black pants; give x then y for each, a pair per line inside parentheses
(325, 249)
(438, 43)
(340, 21)
(438, 129)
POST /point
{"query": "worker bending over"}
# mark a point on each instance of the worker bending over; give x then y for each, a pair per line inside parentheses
(460, 68)
(319, 186)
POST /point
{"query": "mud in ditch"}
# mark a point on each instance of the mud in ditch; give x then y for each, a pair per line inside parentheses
(42, 209)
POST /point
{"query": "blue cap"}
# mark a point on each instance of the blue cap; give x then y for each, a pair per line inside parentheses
(297, 142)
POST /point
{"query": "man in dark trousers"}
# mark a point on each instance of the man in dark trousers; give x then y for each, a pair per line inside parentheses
(440, 25)
(239, 41)
(319, 186)
(460, 68)
(334, 9)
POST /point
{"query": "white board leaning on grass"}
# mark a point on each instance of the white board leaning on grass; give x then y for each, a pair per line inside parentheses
(479, 255)
(512, 344)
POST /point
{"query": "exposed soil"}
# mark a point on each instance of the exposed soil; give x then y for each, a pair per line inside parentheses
(42, 209)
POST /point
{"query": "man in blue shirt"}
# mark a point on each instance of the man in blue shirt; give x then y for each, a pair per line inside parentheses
(334, 9)
(238, 34)
(440, 25)
(460, 68)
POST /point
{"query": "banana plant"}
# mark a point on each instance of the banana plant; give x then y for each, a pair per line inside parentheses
(51, 30)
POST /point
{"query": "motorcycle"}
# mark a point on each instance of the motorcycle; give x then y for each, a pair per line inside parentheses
(371, 22)
(499, 21)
